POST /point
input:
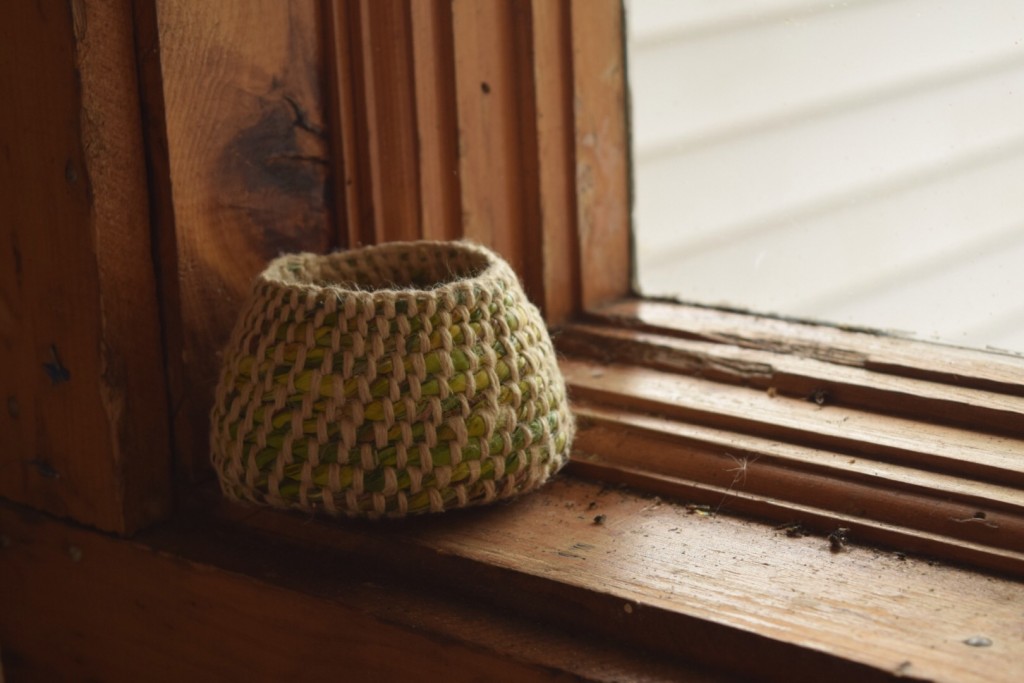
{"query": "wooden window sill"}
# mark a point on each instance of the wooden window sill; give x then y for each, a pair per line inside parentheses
(911, 445)
(579, 580)
(916, 449)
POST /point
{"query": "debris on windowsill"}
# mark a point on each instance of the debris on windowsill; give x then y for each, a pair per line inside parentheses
(655, 502)
(794, 529)
(978, 641)
(838, 539)
(820, 396)
(978, 517)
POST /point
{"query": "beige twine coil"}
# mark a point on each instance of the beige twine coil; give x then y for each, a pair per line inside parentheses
(390, 380)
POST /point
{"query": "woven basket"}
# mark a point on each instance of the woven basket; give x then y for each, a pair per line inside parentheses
(404, 378)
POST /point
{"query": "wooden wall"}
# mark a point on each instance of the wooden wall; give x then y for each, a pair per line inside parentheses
(178, 146)
(83, 429)
(314, 126)
(236, 94)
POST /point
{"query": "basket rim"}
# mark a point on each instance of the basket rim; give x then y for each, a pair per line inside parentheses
(280, 272)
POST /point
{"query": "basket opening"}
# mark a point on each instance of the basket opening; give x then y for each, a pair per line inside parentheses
(417, 266)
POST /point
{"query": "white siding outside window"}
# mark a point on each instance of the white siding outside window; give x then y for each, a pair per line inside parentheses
(857, 162)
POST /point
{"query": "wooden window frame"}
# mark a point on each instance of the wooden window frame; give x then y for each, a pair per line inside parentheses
(506, 122)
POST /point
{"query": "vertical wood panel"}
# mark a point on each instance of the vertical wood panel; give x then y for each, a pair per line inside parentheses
(489, 92)
(383, 47)
(248, 164)
(389, 98)
(602, 150)
(345, 125)
(393, 128)
(83, 424)
(555, 143)
(519, 123)
(434, 59)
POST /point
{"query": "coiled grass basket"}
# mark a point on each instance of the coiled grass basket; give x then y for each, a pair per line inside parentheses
(391, 380)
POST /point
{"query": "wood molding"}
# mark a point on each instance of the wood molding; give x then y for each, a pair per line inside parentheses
(801, 377)
(602, 151)
(557, 139)
(911, 445)
(375, 125)
(464, 120)
(437, 131)
(885, 354)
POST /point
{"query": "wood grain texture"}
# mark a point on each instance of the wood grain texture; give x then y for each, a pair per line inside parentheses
(242, 84)
(457, 120)
(494, 98)
(991, 371)
(939, 448)
(660, 581)
(902, 508)
(373, 50)
(602, 151)
(437, 127)
(83, 432)
(913, 444)
(702, 588)
(392, 120)
(533, 589)
(553, 74)
(802, 377)
(208, 600)
(345, 123)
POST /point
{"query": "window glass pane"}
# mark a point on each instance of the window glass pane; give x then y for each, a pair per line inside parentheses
(859, 162)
